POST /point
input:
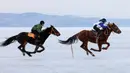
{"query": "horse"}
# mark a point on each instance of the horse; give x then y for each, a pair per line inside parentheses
(86, 36)
(23, 38)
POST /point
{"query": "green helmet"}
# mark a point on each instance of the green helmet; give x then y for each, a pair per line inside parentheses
(42, 22)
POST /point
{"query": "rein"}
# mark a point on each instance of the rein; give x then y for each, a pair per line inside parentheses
(106, 32)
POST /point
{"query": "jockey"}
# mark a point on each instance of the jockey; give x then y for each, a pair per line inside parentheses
(99, 26)
(36, 29)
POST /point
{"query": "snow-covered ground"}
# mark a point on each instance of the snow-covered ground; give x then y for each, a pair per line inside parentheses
(57, 58)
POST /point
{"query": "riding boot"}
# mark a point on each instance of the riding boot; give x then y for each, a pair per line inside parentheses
(37, 39)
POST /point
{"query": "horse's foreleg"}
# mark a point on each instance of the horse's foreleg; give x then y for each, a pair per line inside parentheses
(36, 48)
(105, 48)
(39, 51)
(99, 46)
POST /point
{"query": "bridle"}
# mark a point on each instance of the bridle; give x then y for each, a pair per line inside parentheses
(112, 28)
(52, 30)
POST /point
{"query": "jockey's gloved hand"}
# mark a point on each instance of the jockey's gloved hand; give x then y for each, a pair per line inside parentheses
(101, 28)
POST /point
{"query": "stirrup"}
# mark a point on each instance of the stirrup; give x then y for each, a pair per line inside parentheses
(36, 40)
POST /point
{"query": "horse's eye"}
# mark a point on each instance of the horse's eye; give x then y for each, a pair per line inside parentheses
(116, 28)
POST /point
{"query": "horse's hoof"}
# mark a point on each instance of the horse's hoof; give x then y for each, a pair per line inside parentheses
(30, 55)
(104, 48)
(23, 54)
(93, 55)
(87, 53)
(91, 49)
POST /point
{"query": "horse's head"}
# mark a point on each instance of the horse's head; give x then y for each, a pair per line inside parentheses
(54, 31)
(114, 28)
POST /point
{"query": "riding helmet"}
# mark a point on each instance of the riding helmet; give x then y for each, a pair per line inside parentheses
(103, 20)
(42, 22)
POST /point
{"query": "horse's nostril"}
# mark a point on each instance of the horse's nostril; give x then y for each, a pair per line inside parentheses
(58, 34)
(120, 31)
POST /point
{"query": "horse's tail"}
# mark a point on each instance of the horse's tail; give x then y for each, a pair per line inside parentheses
(9, 41)
(70, 40)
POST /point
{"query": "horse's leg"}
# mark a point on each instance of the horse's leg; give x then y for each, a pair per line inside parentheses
(23, 49)
(28, 53)
(85, 47)
(19, 47)
(82, 46)
(99, 46)
(36, 49)
(105, 48)
(39, 51)
(88, 51)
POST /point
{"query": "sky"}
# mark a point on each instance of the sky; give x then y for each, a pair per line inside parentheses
(83, 8)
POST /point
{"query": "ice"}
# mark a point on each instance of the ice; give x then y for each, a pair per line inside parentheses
(57, 58)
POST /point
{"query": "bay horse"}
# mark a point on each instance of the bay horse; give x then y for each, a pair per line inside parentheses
(86, 36)
(23, 39)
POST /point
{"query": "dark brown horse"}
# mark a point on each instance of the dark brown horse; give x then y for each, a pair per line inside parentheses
(89, 35)
(23, 39)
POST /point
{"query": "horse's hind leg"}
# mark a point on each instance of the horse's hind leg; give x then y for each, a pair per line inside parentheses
(28, 53)
(85, 47)
(19, 47)
(22, 49)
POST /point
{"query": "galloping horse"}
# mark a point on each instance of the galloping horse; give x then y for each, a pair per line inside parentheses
(89, 35)
(23, 39)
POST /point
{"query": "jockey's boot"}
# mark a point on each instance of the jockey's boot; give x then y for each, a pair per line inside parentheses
(37, 40)
(97, 36)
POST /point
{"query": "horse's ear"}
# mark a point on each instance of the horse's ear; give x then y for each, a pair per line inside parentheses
(108, 23)
(51, 25)
(113, 23)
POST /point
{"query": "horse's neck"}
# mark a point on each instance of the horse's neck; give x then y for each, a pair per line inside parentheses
(44, 35)
(108, 32)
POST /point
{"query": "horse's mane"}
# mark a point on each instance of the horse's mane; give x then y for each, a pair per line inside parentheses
(109, 24)
(46, 29)
(107, 30)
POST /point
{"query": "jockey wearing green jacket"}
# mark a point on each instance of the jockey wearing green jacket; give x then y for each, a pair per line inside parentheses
(36, 29)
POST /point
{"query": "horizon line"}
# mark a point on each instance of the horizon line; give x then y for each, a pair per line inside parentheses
(62, 15)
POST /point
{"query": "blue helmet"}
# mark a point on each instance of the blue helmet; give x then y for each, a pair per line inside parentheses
(103, 20)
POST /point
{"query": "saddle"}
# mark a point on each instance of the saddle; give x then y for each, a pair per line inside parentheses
(94, 31)
(32, 35)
